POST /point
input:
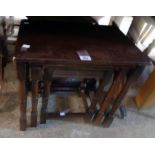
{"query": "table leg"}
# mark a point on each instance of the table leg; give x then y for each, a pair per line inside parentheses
(46, 94)
(21, 74)
(23, 104)
(34, 112)
(109, 96)
(132, 76)
(28, 81)
(99, 92)
(36, 75)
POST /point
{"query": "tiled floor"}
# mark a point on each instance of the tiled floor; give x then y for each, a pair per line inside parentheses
(138, 123)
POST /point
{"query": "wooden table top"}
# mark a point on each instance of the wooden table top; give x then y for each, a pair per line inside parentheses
(59, 42)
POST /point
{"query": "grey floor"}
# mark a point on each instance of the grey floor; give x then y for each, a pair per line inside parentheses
(138, 123)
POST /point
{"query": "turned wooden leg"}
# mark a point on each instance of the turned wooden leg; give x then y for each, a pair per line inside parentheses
(21, 74)
(100, 90)
(23, 104)
(36, 75)
(132, 76)
(34, 112)
(43, 115)
(47, 78)
(109, 96)
(28, 81)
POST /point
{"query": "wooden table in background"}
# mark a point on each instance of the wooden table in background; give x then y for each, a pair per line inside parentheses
(51, 52)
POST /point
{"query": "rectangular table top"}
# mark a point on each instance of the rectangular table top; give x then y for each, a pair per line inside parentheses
(60, 42)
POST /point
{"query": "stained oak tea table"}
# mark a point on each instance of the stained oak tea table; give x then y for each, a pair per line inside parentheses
(49, 50)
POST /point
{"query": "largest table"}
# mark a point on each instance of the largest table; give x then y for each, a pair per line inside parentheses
(47, 50)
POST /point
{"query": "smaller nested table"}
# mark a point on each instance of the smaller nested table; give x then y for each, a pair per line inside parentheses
(49, 50)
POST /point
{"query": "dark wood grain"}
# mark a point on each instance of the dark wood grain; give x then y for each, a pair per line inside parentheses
(47, 80)
(53, 55)
(59, 42)
(100, 90)
(36, 75)
(112, 91)
(23, 104)
(34, 112)
(132, 76)
(21, 74)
